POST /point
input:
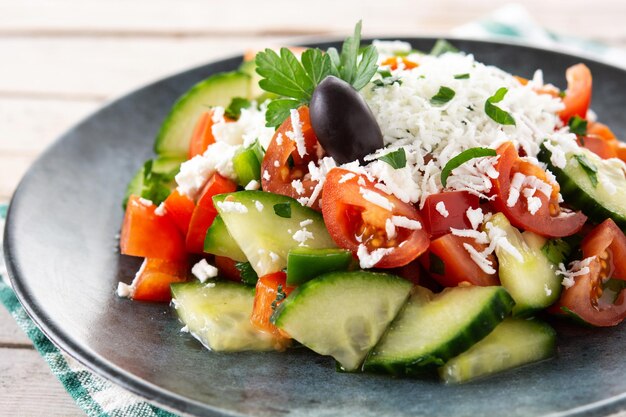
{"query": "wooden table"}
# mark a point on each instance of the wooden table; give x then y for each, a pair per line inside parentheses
(61, 60)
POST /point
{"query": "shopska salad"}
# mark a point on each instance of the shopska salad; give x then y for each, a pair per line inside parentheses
(400, 211)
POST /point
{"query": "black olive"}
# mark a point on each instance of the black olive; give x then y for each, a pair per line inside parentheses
(343, 122)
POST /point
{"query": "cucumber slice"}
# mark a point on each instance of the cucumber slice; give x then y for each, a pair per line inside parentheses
(515, 342)
(304, 264)
(155, 179)
(600, 201)
(218, 315)
(434, 328)
(219, 242)
(217, 90)
(532, 282)
(265, 237)
(342, 314)
(249, 67)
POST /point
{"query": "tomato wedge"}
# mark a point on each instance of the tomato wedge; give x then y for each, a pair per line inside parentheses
(548, 220)
(578, 94)
(179, 208)
(607, 245)
(603, 142)
(266, 299)
(227, 268)
(205, 212)
(202, 136)
(152, 282)
(283, 163)
(355, 222)
(146, 234)
(455, 204)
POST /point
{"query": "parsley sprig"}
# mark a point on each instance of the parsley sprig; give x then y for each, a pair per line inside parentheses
(295, 80)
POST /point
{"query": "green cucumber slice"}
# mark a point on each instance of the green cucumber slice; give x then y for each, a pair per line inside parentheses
(304, 264)
(513, 343)
(219, 242)
(596, 201)
(434, 328)
(218, 315)
(532, 282)
(249, 67)
(342, 314)
(265, 237)
(218, 90)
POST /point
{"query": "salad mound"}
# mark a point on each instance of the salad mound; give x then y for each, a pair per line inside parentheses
(403, 212)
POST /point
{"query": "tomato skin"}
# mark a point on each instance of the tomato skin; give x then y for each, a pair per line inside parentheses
(227, 268)
(601, 147)
(276, 160)
(153, 280)
(148, 235)
(458, 266)
(542, 222)
(204, 212)
(202, 135)
(456, 203)
(266, 292)
(179, 208)
(578, 94)
(603, 142)
(345, 210)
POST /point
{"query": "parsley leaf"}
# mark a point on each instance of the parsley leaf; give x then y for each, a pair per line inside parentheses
(441, 47)
(462, 76)
(590, 169)
(495, 112)
(577, 125)
(556, 250)
(283, 74)
(444, 95)
(462, 158)
(248, 274)
(367, 67)
(317, 64)
(278, 110)
(397, 159)
(283, 210)
(233, 111)
(154, 186)
(387, 79)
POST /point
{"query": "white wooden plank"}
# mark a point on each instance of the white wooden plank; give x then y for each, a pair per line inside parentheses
(10, 333)
(12, 168)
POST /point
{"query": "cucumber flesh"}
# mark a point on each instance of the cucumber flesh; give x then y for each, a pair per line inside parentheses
(342, 314)
(532, 282)
(249, 67)
(265, 237)
(515, 342)
(434, 328)
(218, 90)
(219, 242)
(218, 315)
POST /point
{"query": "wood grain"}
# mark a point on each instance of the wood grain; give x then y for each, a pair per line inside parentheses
(10, 334)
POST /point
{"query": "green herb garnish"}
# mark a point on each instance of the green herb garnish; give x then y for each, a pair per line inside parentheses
(577, 125)
(495, 112)
(248, 274)
(155, 186)
(280, 296)
(233, 111)
(441, 47)
(462, 158)
(283, 210)
(590, 169)
(556, 250)
(397, 159)
(462, 76)
(444, 95)
(387, 79)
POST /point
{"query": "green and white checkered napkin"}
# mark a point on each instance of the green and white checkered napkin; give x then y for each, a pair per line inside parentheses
(99, 397)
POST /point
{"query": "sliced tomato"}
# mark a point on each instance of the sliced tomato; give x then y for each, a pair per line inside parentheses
(153, 279)
(227, 268)
(450, 264)
(578, 94)
(266, 299)
(602, 141)
(353, 220)
(607, 245)
(283, 163)
(179, 208)
(549, 220)
(146, 234)
(204, 213)
(456, 204)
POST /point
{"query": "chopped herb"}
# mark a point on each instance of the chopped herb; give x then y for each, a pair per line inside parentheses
(233, 111)
(436, 265)
(556, 250)
(387, 80)
(279, 109)
(154, 186)
(495, 112)
(441, 47)
(590, 169)
(577, 125)
(462, 158)
(444, 95)
(462, 76)
(283, 210)
(397, 159)
(248, 275)
(280, 296)
(562, 94)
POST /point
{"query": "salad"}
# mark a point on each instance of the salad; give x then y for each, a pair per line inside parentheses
(403, 212)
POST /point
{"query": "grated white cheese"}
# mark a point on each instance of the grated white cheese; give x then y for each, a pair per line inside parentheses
(475, 217)
(128, 291)
(259, 206)
(296, 135)
(306, 222)
(252, 185)
(390, 229)
(479, 237)
(297, 185)
(302, 235)
(369, 260)
(195, 172)
(203, 270)
(244, 131)
(346, 177)
(266, 175)
(441, 208)
(576, 269)
(479, 259)
(160, 210)
(232, 207)
(406, 223)
(145, 202)
(376, 199)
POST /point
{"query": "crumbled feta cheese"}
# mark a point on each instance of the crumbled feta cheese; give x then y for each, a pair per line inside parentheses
(547, 290)
(145, 202)
(276, 163)
(302, 235)
(279, 139)
(296, 135)
(124, 290)
(306, 222)
(406, 223)
(441, 208)
(258, 205)
(475, 217)
(232, 207)
(390, 229)
(266, 175)
(203, 270)
(253, 185)
(369, 260)
(160, 210)
(576, 269)
(346, 177)
(297, 185)
(376, 198)
(195, 172)
(249, 127)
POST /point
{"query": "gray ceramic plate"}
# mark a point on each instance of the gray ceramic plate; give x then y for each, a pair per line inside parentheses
(61, 253)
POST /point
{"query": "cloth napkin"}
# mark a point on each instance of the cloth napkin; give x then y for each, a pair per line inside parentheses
(101, 398)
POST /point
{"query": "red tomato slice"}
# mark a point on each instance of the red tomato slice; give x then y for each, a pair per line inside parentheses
(205, 212)
(153, 280)
(578, 94)
(456, 203)
(227, 268)
(179, 208)
(455, 263)
(353, 220)
(548, 220)
(148, 235)
(265, 303)
(282, 162)
(607, 244)
(603, 142)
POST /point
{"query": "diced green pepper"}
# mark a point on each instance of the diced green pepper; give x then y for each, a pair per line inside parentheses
(247, 164)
